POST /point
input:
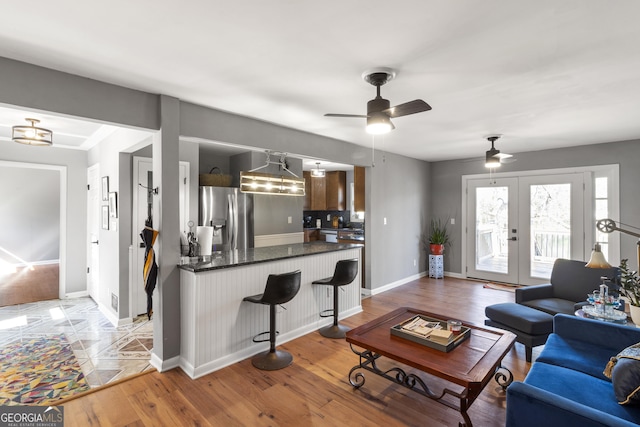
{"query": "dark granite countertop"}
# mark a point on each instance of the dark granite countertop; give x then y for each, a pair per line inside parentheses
(252, 256)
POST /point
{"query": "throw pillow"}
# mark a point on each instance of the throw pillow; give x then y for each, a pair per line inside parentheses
(624, 371)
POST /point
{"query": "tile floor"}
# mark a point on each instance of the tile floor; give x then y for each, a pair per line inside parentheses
(105, 353)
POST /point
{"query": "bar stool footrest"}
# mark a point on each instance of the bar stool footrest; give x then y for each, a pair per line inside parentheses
(255, 338)
(327, 313)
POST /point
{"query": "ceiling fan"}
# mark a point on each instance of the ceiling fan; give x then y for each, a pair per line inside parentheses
(379, 112)
(494, 157)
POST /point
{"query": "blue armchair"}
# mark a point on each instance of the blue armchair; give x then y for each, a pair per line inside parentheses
(566, 386)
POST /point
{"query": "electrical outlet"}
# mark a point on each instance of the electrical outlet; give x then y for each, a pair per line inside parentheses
(328, 217)
(384, 220)
(289, 220)
(453, 221)
(414, 263)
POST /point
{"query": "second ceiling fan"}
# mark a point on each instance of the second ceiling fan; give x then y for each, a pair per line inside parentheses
(379, 111)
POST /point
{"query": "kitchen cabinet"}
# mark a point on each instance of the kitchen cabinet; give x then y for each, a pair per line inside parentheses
(358, 189)
(327, 193)
(315, 198)
(336, 190)
(311, 235)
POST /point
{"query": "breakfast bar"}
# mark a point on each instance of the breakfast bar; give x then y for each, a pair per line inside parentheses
(217, 327)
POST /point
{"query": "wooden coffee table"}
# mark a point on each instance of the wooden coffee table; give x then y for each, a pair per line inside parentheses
(471, 365)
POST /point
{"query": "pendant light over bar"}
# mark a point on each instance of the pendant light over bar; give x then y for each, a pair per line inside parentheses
(266, 183)
(32, 135)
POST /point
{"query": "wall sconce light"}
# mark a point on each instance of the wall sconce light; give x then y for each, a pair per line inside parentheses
(32, 135)
(317, 172)
(266, 183)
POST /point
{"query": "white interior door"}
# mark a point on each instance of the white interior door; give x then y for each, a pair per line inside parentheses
(142, 202)
(517, 227)
(93, 231)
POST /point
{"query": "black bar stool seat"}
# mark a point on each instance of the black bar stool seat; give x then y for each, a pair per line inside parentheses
(281, 288)
(345, 273)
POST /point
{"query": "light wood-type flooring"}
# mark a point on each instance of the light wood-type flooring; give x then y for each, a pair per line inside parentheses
(26, 285)
(315, 389)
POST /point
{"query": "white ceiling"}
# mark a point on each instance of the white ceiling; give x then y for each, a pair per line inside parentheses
(544, 73)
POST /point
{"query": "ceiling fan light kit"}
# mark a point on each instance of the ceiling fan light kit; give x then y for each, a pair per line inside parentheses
(317, 172)
(379, 110)
(493, 157)
(32, 135)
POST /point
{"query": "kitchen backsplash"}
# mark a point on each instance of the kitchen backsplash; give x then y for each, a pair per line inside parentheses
(309, 218)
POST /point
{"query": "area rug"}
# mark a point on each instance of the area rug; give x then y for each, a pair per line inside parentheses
(39, 371)
(501, 286)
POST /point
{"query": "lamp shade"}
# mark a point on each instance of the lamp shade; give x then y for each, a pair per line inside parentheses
(597, 259)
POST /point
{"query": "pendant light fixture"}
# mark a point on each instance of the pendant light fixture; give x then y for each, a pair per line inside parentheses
(317, 172)
(266, 183)
(32, 135)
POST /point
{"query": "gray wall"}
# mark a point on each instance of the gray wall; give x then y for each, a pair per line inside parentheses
(446, 185)
(29, 213)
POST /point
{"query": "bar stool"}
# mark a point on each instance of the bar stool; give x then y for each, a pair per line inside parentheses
(346, 271)
(281, 288)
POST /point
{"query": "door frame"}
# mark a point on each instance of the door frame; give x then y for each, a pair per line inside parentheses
(611, 171)
(90, 272)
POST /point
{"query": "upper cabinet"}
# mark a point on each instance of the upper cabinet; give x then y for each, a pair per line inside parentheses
(358, 189)
(325, 194)
(336, 191)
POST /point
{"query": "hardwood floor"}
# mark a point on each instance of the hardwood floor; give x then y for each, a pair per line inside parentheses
(315, 389)
(26, 285)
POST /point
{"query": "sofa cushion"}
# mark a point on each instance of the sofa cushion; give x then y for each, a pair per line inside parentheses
(521, 318)
(577, 355)
(584, 389)
(552, 305)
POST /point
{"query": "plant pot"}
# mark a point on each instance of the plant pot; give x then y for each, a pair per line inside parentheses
(436, 249)
(634, 310)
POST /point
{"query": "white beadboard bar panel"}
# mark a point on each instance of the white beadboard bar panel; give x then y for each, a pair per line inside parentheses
(278, 239)
(217, 327)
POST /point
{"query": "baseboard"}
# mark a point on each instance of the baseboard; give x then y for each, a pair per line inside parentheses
(164, 365)
(397, 283)
(79, 294)
(115, 321)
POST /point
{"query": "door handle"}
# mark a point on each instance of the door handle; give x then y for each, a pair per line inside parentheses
(95, 242)
(513, 238)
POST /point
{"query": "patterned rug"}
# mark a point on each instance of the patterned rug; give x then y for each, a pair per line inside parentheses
(39, 371)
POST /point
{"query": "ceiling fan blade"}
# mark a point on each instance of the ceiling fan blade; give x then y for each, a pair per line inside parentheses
(411, 107)
(503, 156)
(345, 115)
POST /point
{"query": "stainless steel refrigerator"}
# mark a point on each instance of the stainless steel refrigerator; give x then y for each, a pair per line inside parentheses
(230, 213)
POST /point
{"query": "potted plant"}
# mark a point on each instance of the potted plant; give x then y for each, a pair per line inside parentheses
(438, 236)
(630, 290)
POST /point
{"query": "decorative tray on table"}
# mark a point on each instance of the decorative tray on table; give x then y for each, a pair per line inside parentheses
(438, 340)
(613, 316)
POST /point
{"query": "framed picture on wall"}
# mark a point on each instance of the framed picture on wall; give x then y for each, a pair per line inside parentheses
(105, 188)
(105, 217)
(113, 204)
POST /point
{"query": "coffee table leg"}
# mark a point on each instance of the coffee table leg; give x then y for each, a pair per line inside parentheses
(503, 379)
(411, 382)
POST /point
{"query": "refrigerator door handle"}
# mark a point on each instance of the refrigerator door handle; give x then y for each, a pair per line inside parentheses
(233, 222)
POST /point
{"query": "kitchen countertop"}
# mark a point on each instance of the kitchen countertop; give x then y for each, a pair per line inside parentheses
(256, 255)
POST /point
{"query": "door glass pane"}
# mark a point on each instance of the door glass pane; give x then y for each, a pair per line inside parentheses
(550, 227)
(492, 249)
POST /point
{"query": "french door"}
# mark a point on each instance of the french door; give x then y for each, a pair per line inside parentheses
(517, 227)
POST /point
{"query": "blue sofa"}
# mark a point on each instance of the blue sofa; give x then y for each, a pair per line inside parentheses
(566, 386)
